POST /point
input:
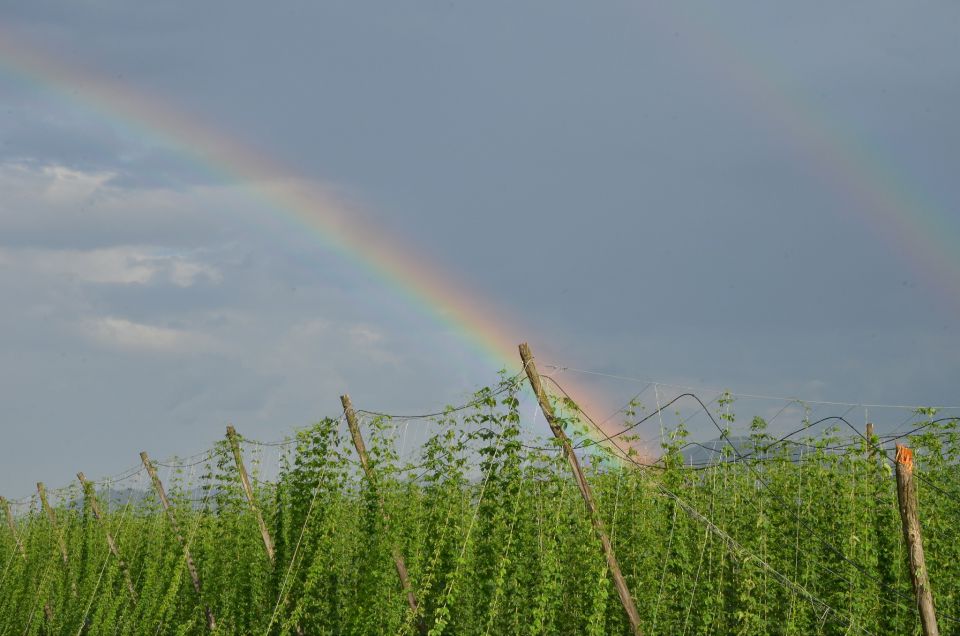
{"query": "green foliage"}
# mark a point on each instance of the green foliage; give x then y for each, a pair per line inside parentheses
(496, 539)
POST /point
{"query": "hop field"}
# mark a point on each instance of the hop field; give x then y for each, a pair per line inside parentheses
(770, 536)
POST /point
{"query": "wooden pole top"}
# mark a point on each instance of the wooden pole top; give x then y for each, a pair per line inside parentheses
(905, 457)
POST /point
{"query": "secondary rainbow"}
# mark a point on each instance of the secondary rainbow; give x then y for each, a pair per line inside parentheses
(295, 202)
(914, 228)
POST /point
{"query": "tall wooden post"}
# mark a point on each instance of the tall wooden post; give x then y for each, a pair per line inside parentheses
(398, 560)
(91, 496)
(907, 496)
(618, 580)
(61, 542)
(12, 524)
(248, 491)
(191, 567)
(52, 516)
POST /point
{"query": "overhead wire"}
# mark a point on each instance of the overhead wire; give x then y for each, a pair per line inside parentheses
(505, 386)
(744, 395)
(784, 439)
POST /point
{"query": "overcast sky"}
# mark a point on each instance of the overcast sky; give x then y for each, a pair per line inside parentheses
(649, 190)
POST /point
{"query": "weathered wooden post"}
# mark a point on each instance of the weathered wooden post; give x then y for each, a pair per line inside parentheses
(371, 478)
(12, 524)
(618, 580)
(61, 543)
(52, 516)
(907, 497)
(191, 568)
(91, 496)
(248, 491)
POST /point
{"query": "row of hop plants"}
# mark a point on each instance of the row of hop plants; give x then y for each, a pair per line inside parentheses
(496, 539)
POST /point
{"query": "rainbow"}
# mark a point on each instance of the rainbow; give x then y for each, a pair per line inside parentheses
(294, 203)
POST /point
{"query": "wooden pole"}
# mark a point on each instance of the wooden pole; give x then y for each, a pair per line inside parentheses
(248, 491)
(871, 453)
(191, 567)
(618, 580)
(91, 496)
(371, 479)
(52, 516)
(12, 524)
(907, 497)
(61, 542)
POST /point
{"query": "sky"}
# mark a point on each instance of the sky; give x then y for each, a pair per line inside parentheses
(750, 196)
